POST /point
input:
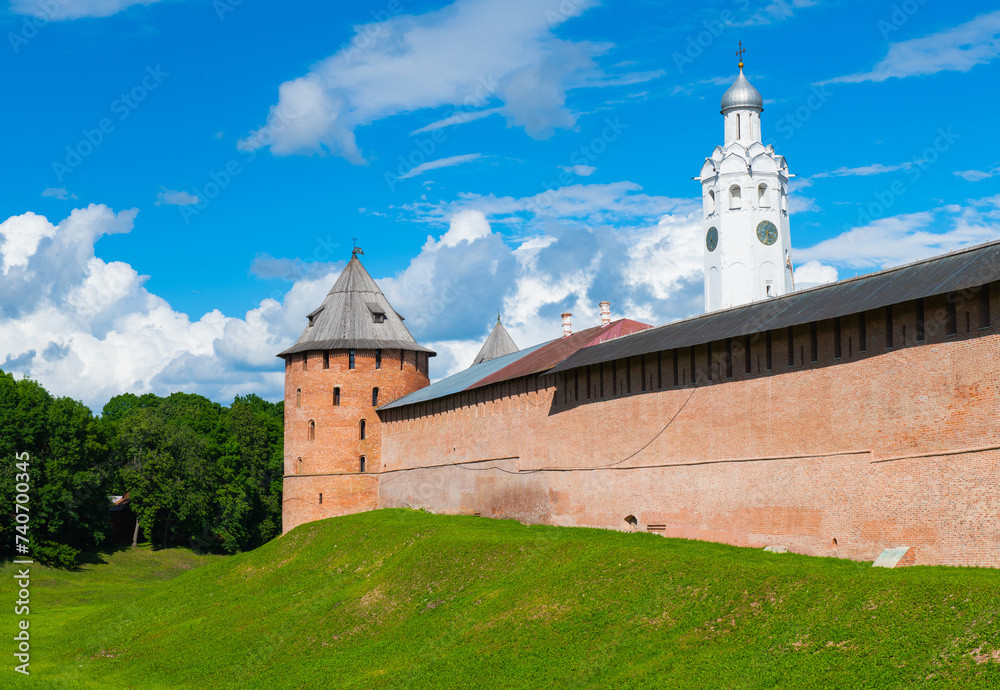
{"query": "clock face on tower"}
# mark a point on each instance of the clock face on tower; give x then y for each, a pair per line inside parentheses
(766, 232)
(712, 239)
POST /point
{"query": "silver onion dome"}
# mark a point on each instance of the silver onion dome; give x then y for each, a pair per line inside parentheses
(742, 94)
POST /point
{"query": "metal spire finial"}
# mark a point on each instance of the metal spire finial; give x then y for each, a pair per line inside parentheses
(740, 54)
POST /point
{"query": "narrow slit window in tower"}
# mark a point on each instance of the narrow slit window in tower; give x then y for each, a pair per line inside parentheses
(375, 397)
(361, 464)
(326, 359)
(762, 201)
(298, 397)
(312, 431)
(336, 396)
(305, 360)
(378, 359)
(350, 359)
(362, 429)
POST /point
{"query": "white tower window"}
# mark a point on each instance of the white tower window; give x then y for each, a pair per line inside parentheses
(711, 202)
(735, 197)
(762, 201)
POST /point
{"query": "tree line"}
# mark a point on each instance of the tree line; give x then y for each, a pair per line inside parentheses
(195, 471)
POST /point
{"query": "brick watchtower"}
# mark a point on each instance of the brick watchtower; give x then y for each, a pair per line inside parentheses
(354, 356)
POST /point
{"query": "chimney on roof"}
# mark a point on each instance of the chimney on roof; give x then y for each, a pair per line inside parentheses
(605, 313)
(567, 324)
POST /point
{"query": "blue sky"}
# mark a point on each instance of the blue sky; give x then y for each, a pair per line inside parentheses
(185, 177)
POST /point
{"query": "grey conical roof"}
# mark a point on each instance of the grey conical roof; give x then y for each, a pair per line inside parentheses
(497, 345)
(742, 94)
(355, 315)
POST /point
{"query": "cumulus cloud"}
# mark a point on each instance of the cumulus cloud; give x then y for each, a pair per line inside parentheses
(59, 193)
(89, 329)
(440, 59)
(172, 197)
(648, 265)
(814, 273)
(60, 10)
(957, 49)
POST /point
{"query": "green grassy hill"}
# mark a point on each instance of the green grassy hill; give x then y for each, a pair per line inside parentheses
(402, 599)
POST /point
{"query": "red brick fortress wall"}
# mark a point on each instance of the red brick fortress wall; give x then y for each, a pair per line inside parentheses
(830, 451)
(323, 476)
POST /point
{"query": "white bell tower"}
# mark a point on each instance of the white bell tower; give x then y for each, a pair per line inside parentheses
(745, 193)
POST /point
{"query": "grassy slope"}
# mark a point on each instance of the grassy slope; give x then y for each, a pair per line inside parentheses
(401, 599)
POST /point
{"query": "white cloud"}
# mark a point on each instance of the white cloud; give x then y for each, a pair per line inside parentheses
(648, 265)
(977, 175)
(956, 49)
(813, 273)
(88, 328)
(778, 10)
(440, 163)
(59, 193)
(468, 55)
(579, 170)
(59, 10)
(901, 239)
(460, 118)
(621, 203)
(172, 197)
(864, 170)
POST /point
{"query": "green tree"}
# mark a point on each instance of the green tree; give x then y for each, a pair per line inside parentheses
(68, 471)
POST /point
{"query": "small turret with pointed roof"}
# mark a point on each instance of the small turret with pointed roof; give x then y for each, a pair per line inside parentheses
(498, 344)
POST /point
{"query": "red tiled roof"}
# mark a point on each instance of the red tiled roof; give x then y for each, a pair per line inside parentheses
(548, 356)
